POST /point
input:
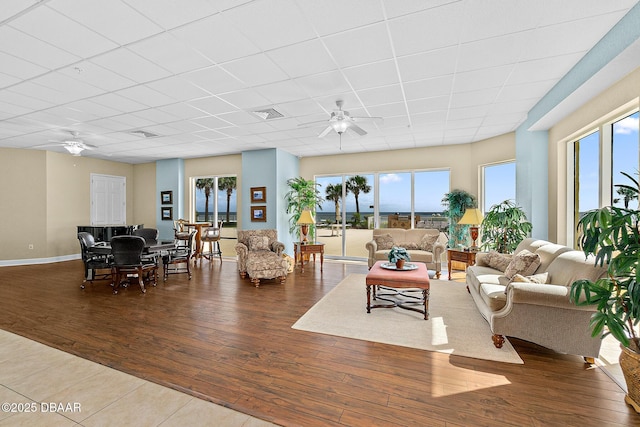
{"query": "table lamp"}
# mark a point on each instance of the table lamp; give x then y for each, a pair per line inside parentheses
(472, 217)
(304, 221)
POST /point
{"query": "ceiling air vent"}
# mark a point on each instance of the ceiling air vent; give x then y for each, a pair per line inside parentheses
(268, 114)
(144, 134)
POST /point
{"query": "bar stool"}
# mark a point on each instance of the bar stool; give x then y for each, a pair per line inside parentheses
(211, 235)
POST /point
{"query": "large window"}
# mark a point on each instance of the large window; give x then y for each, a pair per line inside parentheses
(215, 199)
(598, 160)
(356, 203)
(498, 184)
(624, 158)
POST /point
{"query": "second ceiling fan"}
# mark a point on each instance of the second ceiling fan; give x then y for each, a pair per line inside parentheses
(340, 121)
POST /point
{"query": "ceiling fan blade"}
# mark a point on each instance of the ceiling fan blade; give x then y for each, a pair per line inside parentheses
(357, 129)
(88, 146)
(325, 131)
(360, 118)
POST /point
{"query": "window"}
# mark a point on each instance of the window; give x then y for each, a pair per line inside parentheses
(498, 184)
(215, 199)
(624, 158)
(597, 162)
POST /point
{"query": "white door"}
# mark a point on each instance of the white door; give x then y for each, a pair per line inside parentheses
(108, 200)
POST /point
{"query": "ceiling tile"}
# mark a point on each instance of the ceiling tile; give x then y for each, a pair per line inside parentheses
(372, 75)
(97, 76)
(255, 70)
(20, 68)
(316, 58)
(172, 13)
(504, 50)
(371, 44)
(334, 16)
(245, 99)
(146, 96)
(70, 86)
(427, 30)
(206, 36)
(57, 29)
(481, 79)
(329, 83)
(130, 65)
(284, 91)
(215, 80)
(119, 102)
(212, 105)
(422, 66)
(429, 87)
(170, 53)
(177, 88)
(381, 95)
(261, 22)
(28, 48)
(115, 20)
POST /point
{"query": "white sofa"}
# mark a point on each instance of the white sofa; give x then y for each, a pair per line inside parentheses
(412, 240)
(538, 312)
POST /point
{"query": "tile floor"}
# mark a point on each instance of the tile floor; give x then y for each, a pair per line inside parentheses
(42, 386)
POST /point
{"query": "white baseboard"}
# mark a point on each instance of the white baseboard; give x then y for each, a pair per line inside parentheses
(32, 261)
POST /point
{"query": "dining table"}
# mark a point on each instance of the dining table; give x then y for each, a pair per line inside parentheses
(151, 246)
(198, 241)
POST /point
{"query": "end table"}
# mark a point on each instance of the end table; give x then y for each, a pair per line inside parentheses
(302, 248)
(466, 257)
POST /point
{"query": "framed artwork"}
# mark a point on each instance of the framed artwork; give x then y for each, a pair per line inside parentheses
(258, 194)
(258, 213)
(166, 197)
(167, 214)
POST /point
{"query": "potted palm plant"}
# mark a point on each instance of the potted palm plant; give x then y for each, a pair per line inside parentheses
(612, 235)
(504, 226)
(455, 203)
(303, 194)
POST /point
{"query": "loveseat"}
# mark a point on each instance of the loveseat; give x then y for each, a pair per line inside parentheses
(526, 296)
(426, 245)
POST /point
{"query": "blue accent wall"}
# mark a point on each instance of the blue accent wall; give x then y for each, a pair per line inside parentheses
(270, 168)
(170, 177)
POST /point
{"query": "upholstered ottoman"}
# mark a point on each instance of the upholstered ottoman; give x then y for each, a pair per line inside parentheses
(266, 265)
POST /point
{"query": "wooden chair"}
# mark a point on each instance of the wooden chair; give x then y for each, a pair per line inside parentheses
(178, 260)
(211, 236)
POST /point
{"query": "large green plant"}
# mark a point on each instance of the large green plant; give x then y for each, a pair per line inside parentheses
(612, 234)
(303, 194)
(504, 226)
(455, 203)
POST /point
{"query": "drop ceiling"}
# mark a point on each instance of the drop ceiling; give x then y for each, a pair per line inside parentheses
(198, 75)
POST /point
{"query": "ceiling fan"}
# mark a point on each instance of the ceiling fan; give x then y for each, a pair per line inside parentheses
(341, 121)
(74, 145)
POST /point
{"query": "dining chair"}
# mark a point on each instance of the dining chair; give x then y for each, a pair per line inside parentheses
(211, 236)
(178, 259)
(92, 262)
(181, 231)
(127, 260)
(150, 235)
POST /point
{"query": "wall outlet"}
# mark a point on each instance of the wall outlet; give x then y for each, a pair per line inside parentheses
(30, 245)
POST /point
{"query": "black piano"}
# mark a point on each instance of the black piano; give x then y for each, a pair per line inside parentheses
(104, 233)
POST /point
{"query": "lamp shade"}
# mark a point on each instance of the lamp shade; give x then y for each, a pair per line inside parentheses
(306, 217)
(471, 217)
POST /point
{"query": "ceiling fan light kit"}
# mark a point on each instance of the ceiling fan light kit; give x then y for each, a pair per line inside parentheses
(74, 149)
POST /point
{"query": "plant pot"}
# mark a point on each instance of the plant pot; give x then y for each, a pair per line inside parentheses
(630, 364)
(400, 264)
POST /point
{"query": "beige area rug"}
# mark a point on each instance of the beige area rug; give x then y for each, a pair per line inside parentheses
(455, 326)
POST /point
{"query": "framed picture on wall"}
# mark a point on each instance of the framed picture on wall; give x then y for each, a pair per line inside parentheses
(166, 197)
(167, 214)
(258, 213)
(258, 194)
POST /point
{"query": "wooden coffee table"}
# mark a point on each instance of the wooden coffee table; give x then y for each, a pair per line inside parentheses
(391, 281)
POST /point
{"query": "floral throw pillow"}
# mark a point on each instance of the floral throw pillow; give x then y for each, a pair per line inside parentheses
(536, 278)
(384, 241)
(258, 243)
(523, 263)
(497, 260)
(427, 242)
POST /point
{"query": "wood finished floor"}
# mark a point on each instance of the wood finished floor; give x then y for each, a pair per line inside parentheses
(219, 338)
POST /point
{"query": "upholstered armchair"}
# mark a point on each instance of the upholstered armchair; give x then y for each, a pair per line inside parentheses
(260, 255)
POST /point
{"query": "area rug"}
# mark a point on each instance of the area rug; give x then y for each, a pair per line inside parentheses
(455, 326)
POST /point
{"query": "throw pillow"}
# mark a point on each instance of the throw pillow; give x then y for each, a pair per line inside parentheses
(427, 242)
(258, 243)
(408, 245)
(536, 278)
(524, 263)
(384, 241)
(497, 260)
